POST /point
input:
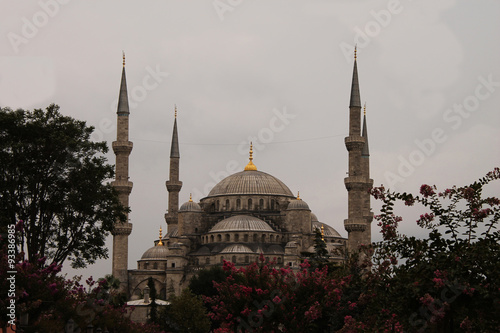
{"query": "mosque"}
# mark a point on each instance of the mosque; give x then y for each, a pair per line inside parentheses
(246, 215)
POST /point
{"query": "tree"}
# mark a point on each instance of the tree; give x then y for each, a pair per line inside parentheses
(153, 312)
(54, 179)
(185, 313)
(448, 281)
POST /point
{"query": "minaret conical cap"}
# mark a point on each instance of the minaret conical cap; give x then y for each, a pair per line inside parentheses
(355, 98)
(174, 148)
(123, 109)
(365, 152)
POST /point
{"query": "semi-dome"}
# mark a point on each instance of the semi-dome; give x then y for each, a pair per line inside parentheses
(237, 248)
(241, 223)
(250, 182)
(314, 218)
(328, 231)
(157, 252)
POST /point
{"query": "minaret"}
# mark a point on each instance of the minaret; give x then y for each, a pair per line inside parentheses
(122, 148)
(358, 181)
(173, 184)
(365, 166)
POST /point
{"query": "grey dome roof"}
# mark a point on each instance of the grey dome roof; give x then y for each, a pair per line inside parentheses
(190, 206)
(314, 218)
(241, 223)
(329, 231)
(298, 204)
(156, 252)
(173, 231)
(237, 248)
(250, 182)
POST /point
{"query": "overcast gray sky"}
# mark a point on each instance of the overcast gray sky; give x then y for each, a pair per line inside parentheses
(275, 72)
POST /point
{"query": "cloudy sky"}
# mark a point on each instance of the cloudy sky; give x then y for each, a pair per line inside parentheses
(277, 73)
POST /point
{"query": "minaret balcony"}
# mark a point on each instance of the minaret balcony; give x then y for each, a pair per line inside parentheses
(122, 147)
(122, 186)
(173, 186)
(354, 142)
(121, 228)
(357, 183)
(355, 224)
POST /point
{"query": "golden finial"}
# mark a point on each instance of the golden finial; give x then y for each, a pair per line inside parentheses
(298, 195)
(123, 54)
(323, 233)
(175, 111)
(160, 243)
(355, 51)
(190, 198)
(250, 166)
(364, 109)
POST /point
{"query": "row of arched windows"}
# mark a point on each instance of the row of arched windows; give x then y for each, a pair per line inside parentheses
(254, 238)
(249, 205)
(247, 259)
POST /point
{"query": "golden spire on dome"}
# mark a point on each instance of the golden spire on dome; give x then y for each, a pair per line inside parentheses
(250, 166)
(322, 233)
(298, 195)
(364, 110)
(190, 198)
(123, 55)
(160, 243)
(175, 105)
(355, 51)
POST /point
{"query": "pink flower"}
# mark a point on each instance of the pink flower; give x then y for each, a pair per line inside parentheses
(276, 300)
(427, 190)
(438, 283)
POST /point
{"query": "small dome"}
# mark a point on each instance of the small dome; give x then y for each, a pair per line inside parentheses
(241, 223)
(237, 248)
(190, 206)
(274, 249)
(298, 204)
(156, 253)
(329, 231)
(314, 218)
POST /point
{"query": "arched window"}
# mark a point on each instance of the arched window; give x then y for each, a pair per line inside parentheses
(247, 259)
(207, 261)
(221, 259)
(227, 205)
(217, 205)
(233, 259)
(236, 238)
(261, 204)
(279, 260)
(255, 238)
(219, 238)
(238, 204)
(173, 265)
(195, 230)
(277, 239)
(212, 238)
(272, 204)
(227, 237)
(271, 238)
(263, 238)
(212, 207)
(146, 265)
(155, 265)
(245, 238)
(250, 204)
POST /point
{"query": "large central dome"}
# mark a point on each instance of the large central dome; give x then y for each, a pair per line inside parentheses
(250, 182)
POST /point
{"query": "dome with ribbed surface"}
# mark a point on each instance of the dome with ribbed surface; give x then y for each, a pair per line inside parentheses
(250, 182)
(190, 206)
(241, 223)
(329, 231)
(298, 204)
(156, 252)
(237, 248)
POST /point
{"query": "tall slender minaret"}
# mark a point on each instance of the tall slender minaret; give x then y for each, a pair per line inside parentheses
(358, 182)
(122, 148)
(174, 185)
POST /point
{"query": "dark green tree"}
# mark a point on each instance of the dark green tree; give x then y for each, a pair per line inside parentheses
(153, 312)
(203, 282)
(55, 180)
(186, 313)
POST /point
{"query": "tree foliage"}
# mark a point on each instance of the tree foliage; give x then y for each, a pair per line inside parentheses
(54, 179)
